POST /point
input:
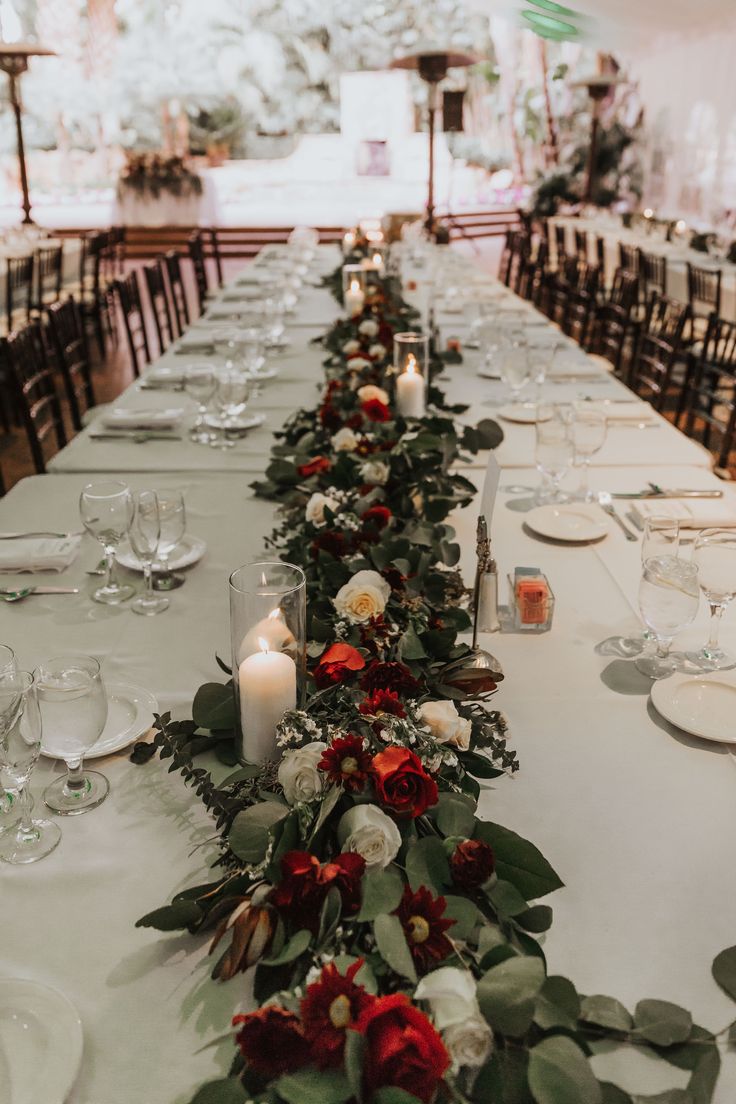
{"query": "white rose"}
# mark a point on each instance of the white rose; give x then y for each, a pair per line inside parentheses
(367, 830)
(315, 511)
(469, 1043)
(451, 995)
(358, 363)
(351, 346)
(344, 440)
(298, 774)
(378, 350)
(369, 327)
(446, 724)
(370, 391)
(375, 471)
(362, 597)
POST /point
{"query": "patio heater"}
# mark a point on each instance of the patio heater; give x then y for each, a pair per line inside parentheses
(432, 63)
(14, 61)
(598, 86)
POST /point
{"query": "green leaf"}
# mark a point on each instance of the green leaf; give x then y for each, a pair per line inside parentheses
(392, 946)
(724, 971)
(519, 861)
(506, 899)
(382, 891)
(612, 1094)
(559, 1073)
(558, 1004)
(330, 915)
(214, 706)
(410, 646)
(606, 1012)
(311, 1086)
(537, 919)
(227, 1091)
(455, 815)
(295, 946)
(427, 864)
(180, 914)
(507, 992)
(662, 1023)
(704, 1077)
(670, 1096)
(249, 834)
(328, 803)
(355, 1047)
(466, 915)
(392, 1094)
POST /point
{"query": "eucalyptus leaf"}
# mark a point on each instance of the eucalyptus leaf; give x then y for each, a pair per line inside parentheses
(310, 1086)
(519, 861)
(355, 1047)
(704, 1077)
(392, 1094)
(558, 1004)
(670, 1096)
(606, 1012)
(507, 993)
(455, 815)
(382, 891)
(229, 1090)
(559, 1073)
(537, 919)
(506, 899)
(612, 1094)
(214, 706)
(427, 864)
(662, 1023)
(466, 915)
(392, 946)
(249, 832)
(295, 947)
(724, 971)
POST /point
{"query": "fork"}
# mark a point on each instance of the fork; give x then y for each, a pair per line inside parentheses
(604, 500)
(40, 533)
(26, 592)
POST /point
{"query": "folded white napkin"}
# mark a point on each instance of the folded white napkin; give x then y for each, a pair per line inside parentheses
(143, 419)
(640, 412)
(163, 375)
(198, 341)
(38, 554)
(249, 291)
(691, 513)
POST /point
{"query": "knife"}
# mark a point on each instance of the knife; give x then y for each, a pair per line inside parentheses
(677, 493)
(139, 436)
(40, 590)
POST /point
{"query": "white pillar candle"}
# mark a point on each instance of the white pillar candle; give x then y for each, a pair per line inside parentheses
(267, 682)
(354, 299)
(410, 390)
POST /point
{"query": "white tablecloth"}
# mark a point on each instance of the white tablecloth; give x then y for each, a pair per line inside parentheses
(130, 209)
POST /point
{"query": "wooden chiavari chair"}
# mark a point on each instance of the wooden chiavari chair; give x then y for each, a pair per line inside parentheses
(704, 297)
(581, 245)
(659, 346)
(653, 274)
(560, 245)
(628, 257)
(612, 320)
(128, 293)
(161, 307)
(195, 249)
(18, 291)
(214, 247)
(69, 336)
(33, 377)
(711, 390)
(49, 260)
(172, 261)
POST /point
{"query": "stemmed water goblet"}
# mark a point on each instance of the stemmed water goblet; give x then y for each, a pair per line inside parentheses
(73, 703)
(589, 430)
(555, 451)
(20, 746)
(668, 600)
(200, 382)
(172, 522)
(106, 510)
(661, 537)
(715, 554)
(144, 536)
(514, 365)
(8, 666)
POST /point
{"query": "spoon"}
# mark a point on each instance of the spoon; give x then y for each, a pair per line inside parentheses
(26, 592)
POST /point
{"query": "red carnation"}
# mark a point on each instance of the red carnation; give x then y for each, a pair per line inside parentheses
(378, 516)
(346, 763)
(329, 541)
(422, 918)
(402, 1048)
(346, 872)
(301, 892)
(375, 410)
(337, 664)
(382, 701)
(332, 1005)
(472, 864)
(354, 421)
(402, 784)
(271, 1041)
(314, 467)
(329, 417)
(389, 676)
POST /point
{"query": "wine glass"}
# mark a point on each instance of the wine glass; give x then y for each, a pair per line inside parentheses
(715, 554)
(173, 522)
(589, 430)
(514, 365)
(20, 746)
(554, 454)
(73, 703)
(668, 600)
(200, 382)
(233, 387)
(224, 341)
(106, 510)
(144, 536)
(661, 537)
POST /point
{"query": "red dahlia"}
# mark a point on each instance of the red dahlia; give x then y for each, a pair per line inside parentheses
(316, 465)
(424, 925)
(402, 1048)
(382, 701)
(329, 541)
(346, 763)
(304, 884)
(337, 664)
(377, 516)
(375, 410)
(389, 676)
(331, 1005)
(271, 1041)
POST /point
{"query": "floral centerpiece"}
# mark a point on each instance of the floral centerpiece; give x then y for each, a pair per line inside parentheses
(151, 175)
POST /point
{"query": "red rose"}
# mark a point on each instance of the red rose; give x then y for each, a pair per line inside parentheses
(271, 1041)
(329, 541)
(378, 516)
(472, 864)
(402, 1048)
(402, 784)
(332, 1004)
(346, 763)
(382, 701)
(354, 421)
(314, 467)
(422, 918)
(375, 410)
(329, 417)
(389, 676)
(337, 664)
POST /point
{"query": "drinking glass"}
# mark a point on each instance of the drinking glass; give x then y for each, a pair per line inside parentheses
(233, 387)
(200, 382)
(145, 534)
(661, 537)
(715, 554)
(106, 510)
(589, 429)
(514, 366)
(173, 523)
(489, 341)
(274, 309)
(668, 600)
(8, 666)
(20, 746)
(555, 451)
(73, 703)
(224, 341)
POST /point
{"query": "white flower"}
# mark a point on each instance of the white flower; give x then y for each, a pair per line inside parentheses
(351, 346)
(370, 391)
(369, 327)
(446, 724)
(367, 830)
(362, 597)
(453, 1002)
(358, 363)
(315, 511)
(344, 440)
(469, 1043)
(378, 350)
(298, 774)
(375, 471)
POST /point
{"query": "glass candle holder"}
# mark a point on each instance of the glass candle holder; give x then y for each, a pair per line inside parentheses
(354, 283)
(348, 242)
(268, 634)
(375, 262)
(411, 368)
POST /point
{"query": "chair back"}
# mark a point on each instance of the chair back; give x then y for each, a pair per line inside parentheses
(161, 307)
(94, 245)
(195, 248)
(624, 290)
(628, 257)
(581, 244)
(711, 397)
(213, 241)
(18, 290)
(653, 272)
(48, 275)
(660, 344)
(69, 337)
(33, 378)
(172, 261)
(128, 293)
(704, 289)
(560, 244)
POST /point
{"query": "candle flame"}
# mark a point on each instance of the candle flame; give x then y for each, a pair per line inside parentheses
(263, 644)
(377, 258)
(649, 213)
(411, 365)
(354, 286)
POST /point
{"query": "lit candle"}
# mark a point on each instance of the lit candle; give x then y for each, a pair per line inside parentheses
(648, 213)
(348, 241)
(267, 682)
(354, 299)
(410, 390)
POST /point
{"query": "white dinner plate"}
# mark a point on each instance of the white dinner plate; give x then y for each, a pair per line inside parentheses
(40, 1043)
(188, 551)
(246, 421)
(573, 522)
(524, 413)
(703, 705)
(130, 712)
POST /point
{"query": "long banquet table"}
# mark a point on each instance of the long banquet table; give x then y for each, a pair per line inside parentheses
(637, 817)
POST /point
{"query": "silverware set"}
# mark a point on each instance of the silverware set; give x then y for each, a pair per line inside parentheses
(137, 437)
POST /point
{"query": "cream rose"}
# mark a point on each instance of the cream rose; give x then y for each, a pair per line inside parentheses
(469, 1043)
(344, 440)
(370, 391)
(378, 351)
(315, 510)
(298, 774)
(351, 346)
(367, 830)
(362, 597)
(357, 363)
(445, 723)
(369, 327)
(375, 471)
(452, 999)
